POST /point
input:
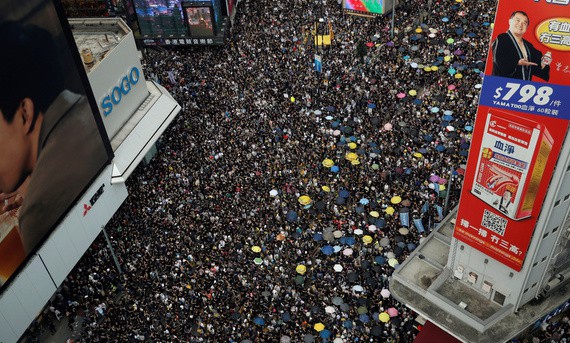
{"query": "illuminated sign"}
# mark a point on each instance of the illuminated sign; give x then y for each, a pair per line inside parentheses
(123, 88)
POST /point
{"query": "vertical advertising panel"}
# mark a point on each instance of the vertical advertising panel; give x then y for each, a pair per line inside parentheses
(521, 124)
(52, 142)
(200, 21)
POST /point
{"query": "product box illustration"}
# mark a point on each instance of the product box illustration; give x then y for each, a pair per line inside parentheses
(513, 155)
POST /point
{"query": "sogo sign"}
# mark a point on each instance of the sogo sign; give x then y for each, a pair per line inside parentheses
(123, 88)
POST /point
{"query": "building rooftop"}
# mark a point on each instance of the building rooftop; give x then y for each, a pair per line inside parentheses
(425, 285)
(96, 37)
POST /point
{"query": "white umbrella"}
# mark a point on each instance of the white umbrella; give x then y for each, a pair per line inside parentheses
(385, 242)
(285, 339)
(273, 192)
(372, 228)
(330, 309)
(317, 112)
(358, 232)
(336, 132)
(337, 268)
(404, 231)
(347, 252)
(357, 288)
(337, 234)
(338, 340)
(385, 293)
(390, 254)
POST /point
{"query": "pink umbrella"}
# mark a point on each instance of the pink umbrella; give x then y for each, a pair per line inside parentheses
(442, 181)
(401, 95)
(347, 252)
(385, 293)
(392, 312)
(387, 126)
(451, 87)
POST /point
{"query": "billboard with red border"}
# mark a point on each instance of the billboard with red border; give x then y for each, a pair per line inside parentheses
(521, 124)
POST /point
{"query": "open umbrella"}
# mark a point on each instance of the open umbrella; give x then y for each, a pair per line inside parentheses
(338, 340)
(384, 317)
(301, 269)
(364, 201)
(337, 268)
(403, 231)
(257, 261)
(347, 252)
(304, 200)
(385, 293)
(285, 339)
(320, 327)
(308, 338)
(325, 334)
(259, 321)
(396, 200)
(393, 262)
(357, 288)
(392, 312)
(390, 210)
(299, 279)
(367, 239)
(256, 248)
(337, 234)
(387, 126)
(358, 232)
(328, 162)
(372, 228)
(330, 309)
(292, 216)
(379, 260)
(335, 169)
(327, 250)
(273, 192)
(412, 92)
(374, 214)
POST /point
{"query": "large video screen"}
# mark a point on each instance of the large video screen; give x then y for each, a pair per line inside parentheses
(52, 141)
(161, 18)
(200, 21)
(365, 6)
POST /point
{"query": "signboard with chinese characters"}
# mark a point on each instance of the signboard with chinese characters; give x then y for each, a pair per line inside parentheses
(521, 124)
(184, 41)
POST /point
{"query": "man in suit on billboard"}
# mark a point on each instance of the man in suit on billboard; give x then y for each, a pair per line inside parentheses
(50, 146)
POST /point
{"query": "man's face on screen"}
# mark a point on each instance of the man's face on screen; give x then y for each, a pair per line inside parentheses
(14, 149)
(518, 24)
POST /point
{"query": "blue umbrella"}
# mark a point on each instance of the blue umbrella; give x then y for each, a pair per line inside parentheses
(444, 123)
(471, 34)
(292, 216)
(401, 244)
(411, 246)
(380, 223)
(417, 101)
(317, 237)
(347, 324)
(336, 248)
(327, 250)
(364, 318)
(380, 259)
(340, 200)
(350, 240)
(448, 117)
(428, 138)
(371, 105)
(335, 124)
(463, 152)
(330, 108)
(364, 201)
(286, 317)
(344, 193)
(352, 138)
(468, 128)
(342, 240)
(434, 109)
(325, 334)
(334, 169)
(259, 321)
(423, 150)
(445, 19)
(440, 148)
(459, 31)
(359, 209)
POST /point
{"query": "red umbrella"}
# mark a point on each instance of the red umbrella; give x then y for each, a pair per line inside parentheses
(369, 44)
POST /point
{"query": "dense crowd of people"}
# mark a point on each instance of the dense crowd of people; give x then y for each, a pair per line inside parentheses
(226, 235)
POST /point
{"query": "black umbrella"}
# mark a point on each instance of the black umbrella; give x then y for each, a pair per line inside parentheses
(352, 276)
(376, 331)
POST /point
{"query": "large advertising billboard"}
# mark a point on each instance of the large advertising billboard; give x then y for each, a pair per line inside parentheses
(521, 124)
(52, 142)
(365, 6)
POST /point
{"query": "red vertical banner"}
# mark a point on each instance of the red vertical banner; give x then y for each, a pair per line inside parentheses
(521, 124)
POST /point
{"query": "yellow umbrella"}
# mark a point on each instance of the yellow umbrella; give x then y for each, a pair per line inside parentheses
(326, 188)
(434, 68)
(418, 30)
(384, 317)
(396, 199)
(304, 200)
(328, 162)
(292, 99)
(413, 92)
(301, 269)
(418, 154)
(320, 327)
(351, 156)
(355, 162)
(375, 214)
(447, 58)
(427, 68)
(367, 239)
(458, 76)
(441, 187)
(256, 248)
(352, 145)
(390, 210)
(393, 262)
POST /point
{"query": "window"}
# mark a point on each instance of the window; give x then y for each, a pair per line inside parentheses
(533, 285)
(566, 197)
(557, 203)
(543, 259)
(487, 286)
(555, 229)
(545, 235)
(535, 264)
(526, 290)
(472, 277)
(499, 298)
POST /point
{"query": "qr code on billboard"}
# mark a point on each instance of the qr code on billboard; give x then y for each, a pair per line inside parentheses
(494, 222)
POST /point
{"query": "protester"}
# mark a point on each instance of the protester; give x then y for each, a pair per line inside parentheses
(258, 123)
